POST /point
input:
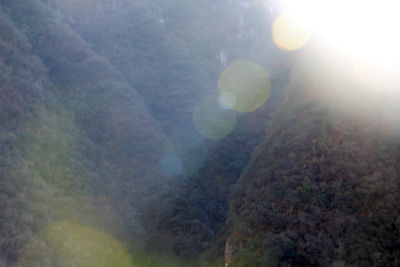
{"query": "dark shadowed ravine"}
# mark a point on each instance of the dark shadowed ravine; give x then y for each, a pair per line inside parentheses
(155, 133)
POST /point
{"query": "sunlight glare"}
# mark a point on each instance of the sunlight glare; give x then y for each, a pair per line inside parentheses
(363, 30)
(290, 32)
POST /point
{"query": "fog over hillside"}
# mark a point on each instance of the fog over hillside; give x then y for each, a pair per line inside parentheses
(145, 133)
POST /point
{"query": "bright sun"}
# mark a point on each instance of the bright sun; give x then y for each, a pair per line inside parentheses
(366, 30)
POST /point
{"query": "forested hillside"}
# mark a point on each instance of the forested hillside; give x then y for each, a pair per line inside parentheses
(97, 100)
(70, 123)
(322, 188)
(186, 133)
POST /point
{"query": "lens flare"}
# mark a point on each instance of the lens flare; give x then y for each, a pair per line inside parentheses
(227, 100)
(244, 86)
(70, 244)
(289, 32)
(362, 30)
(172, 164)
(189, 145)
(211, 120)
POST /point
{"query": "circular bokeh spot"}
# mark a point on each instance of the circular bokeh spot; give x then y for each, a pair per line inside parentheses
(289, 33)
(227, 100)
(172, 164)
(71, 244)
(211, 120)
(194, 157)
(244, 86)
(189, 144)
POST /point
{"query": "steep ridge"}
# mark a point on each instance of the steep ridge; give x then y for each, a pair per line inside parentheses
(97, 92)
(322, 188)
(173, 53)
(166, 51)
(77, 141)
(194, 215)
(42, 168)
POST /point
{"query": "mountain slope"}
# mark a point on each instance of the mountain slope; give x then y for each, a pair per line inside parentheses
(322, 188)
(77, 141)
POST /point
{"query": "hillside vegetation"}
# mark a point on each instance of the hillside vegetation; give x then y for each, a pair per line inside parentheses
(176, 133)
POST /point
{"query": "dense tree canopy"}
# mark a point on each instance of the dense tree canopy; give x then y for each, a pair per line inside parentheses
(176, 133)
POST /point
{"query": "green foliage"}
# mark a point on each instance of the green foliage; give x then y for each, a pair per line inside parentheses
(248, 258)
(89, 90)
(310, 193)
